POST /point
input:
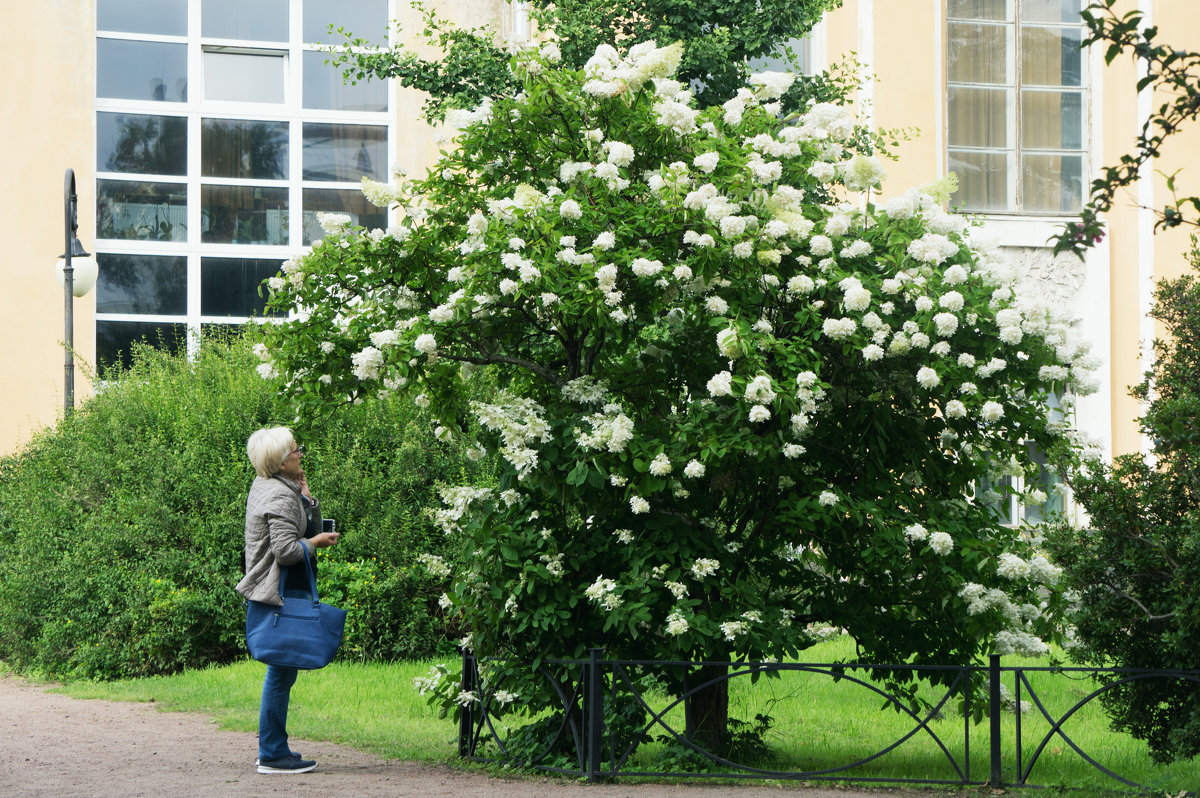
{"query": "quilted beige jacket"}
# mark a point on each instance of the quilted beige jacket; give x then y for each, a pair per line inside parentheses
(275, 524)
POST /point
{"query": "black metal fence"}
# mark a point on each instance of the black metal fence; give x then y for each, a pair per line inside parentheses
(578, 741)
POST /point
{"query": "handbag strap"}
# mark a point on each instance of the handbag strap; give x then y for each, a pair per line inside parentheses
(312, 578)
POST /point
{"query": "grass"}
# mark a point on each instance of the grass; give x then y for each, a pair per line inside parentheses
(817, 723)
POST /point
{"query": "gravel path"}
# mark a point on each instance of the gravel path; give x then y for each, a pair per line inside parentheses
(52, 745)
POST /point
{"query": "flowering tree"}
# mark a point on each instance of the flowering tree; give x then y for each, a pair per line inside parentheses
(740, 401)
(718, 36)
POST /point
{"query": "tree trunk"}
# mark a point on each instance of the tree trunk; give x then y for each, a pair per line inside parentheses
(706, 713)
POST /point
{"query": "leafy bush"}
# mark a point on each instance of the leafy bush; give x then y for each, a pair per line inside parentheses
(1137, 566)
(121, 528)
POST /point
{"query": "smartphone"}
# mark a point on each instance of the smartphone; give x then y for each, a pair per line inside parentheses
(328, 525)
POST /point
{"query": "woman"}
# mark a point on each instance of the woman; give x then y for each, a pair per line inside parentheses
(283, 523)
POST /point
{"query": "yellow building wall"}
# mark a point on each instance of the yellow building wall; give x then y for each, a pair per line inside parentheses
(49, 83)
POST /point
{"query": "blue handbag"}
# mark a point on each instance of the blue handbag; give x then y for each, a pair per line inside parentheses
(303, 633)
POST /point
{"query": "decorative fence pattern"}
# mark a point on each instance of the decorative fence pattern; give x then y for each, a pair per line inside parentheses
(586, 688)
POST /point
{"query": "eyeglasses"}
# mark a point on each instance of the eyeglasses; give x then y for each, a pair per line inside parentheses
(298, 450)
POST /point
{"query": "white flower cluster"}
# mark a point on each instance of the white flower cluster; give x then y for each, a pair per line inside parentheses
(611, 430)
(457, 500)
(610, 75)
(519, 422)
(434, 564)
(603, 592)
(705, 567)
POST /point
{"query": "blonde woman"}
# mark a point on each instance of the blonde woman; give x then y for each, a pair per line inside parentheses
(283, 520)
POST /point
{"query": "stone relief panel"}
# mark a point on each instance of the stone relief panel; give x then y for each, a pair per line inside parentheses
(1041, 275)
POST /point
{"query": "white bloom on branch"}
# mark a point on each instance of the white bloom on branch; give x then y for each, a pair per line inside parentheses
(759, 414)
(769, 85)
(734, 629)
(638, 505)
(927, 378)
(759, 389)
(839, 328)
(605, 241)
(707, 162)
(952, 301)
(991, 411)
(728, 343)
(955, 409)
(367, 364)
(426, 344)
(705, 567)
(644, 267)
(619, 153)
(827, 498)
(661, 465)
(569, 209)
(434, 564)
(720, 384)
(694, 469)
(916, 532)
(676, 624)
(716, 305)
(941, 543)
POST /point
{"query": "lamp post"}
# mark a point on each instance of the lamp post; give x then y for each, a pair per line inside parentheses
(77, 273)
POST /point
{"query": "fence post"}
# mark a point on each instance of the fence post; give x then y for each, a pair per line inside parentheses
(595, 713)
(466, 717)
(994, 710)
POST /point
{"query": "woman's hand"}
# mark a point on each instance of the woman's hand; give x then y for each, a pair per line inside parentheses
(304, 486)
(324, 540)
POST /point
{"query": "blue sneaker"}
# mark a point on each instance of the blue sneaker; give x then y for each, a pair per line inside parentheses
(288, 764)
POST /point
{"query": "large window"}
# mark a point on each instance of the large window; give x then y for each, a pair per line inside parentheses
(1017, 105)
(220, 133)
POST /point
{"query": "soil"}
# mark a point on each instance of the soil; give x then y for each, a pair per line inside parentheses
(53, 745)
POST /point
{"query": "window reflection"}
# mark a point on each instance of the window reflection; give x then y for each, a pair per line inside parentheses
(244, 215)
(365, 19)
(167, 17)
(260, 20)
(344, 153)
(132, 70)
(348, 201)
(141, 144)
(144, 211)
(115, 340)
(230, 286)
(153, 284)
(325, 89)
(243, 77)
(242, 148)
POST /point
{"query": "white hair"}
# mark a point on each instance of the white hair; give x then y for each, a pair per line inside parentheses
(268, 448)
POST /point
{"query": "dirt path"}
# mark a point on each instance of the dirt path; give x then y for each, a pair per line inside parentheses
(52, 745)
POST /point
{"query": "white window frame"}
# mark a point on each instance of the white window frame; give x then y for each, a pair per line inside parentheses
(197, 108)
(1013, 88)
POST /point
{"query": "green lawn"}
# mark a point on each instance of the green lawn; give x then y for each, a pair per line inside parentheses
(817, 723)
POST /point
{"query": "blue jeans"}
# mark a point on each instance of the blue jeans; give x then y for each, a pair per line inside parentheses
(272, 713)
(273, 709)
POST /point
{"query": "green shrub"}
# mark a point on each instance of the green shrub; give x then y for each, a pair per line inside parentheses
(121, 527)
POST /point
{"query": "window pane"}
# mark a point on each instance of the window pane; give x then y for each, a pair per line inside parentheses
(141, 284)
(130, 70)
(145, 211)
(147, 145)
(324, 88)
(344, 152)
(977, 53)
(1051, 56)
(349, 201)
(114, 339)
(244, 215)
(258, 20)
(365, 19)
(982, 180)
(997, 496)
(243, 77)
(1052, 120)
(242, 148)
(1052, 183)
(777, 60)
(1051, 10)
(229, 286)
(978, 117)
(979, 9)
(168, 17)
